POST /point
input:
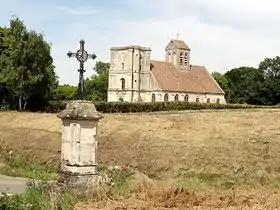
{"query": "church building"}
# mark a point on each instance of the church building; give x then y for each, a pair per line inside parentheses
(134, 77)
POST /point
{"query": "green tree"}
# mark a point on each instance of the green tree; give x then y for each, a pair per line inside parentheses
(64, 93)
(244, 85)
(270, 91)
(27, 67)
(222, 81)
(97, 86)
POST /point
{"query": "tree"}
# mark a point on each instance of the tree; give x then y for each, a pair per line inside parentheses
(270, 69)
(27, 65)
(244, 85)
(97, 86)
(64, 93)
(222, 81)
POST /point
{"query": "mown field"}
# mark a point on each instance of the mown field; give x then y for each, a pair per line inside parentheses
(213, 159)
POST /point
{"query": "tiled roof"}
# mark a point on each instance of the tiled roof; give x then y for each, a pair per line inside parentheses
(180, 44)
(195, 80)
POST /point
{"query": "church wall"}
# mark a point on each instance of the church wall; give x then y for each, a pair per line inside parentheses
(146, 96)
(159, 96)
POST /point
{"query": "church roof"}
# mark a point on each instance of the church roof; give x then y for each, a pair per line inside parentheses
(195, 80)
(180, 44)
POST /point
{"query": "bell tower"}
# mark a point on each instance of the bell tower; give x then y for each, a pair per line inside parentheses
(177, 52)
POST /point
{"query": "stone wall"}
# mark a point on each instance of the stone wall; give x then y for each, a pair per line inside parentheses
(114, 96)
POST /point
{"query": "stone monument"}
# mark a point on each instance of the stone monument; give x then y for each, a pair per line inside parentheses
(79, 144)
(79, 135)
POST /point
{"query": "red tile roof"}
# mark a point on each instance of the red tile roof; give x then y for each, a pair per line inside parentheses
(195, 80)
(180, 44)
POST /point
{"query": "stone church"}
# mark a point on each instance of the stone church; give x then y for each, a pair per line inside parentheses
(134, 77)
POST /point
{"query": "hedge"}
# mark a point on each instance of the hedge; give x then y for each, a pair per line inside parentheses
(126, 107)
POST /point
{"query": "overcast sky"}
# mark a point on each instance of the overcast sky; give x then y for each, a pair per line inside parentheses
(222, 34)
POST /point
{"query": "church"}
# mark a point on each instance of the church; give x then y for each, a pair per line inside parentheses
(134, 77)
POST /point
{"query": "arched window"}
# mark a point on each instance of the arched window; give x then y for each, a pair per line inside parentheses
(181, 58)
(186, 59)
(122, 65)
(218, 101)
(208, 100)
(166, 97)
(176, 97)
(197, 100)
(153, 97)
(186, 98)
(123, 83)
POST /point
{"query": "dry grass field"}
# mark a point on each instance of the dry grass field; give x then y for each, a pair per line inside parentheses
(223, 158)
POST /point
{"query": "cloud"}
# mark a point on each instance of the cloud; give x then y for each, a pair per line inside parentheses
(222, 34)
(85, 11)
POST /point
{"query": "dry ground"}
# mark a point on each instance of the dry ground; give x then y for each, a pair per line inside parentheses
(202, 150)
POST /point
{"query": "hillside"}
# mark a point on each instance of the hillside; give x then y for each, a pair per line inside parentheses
(209, 150)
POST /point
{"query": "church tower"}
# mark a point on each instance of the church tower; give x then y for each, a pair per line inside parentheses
(178, 53)
(129, 74)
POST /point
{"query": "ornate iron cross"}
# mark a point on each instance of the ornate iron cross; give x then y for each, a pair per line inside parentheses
(82, 57)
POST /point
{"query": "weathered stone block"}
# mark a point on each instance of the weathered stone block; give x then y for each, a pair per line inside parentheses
(79, 143)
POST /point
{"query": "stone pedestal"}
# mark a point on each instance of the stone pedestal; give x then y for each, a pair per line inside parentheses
(79, 144)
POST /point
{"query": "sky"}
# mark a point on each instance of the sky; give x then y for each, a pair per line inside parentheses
(221, 34)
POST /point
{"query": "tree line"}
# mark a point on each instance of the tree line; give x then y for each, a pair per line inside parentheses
(257, 86)
(28, 79)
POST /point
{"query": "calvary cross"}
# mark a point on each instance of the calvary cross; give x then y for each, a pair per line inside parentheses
(82, 56)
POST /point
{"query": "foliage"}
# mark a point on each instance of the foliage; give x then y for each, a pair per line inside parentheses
(36, 198)
(126, 107)
(96, 86)
(64, 92)
(222, 81)
(243, 84)
(270, 89)
(26, 65)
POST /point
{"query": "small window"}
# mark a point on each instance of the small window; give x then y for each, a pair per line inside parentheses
(166, 97)
(176, 97)
(181, 58)
(153, 97)
(123, 83)
(218, 101)
(197, 100)
(186, 59)
(208, 100)
(122, 65)
(186, 98)
(121, 99)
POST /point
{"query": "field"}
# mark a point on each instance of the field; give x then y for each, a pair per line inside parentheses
(214, 159)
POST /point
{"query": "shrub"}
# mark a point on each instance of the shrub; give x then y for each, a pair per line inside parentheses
(127, 107)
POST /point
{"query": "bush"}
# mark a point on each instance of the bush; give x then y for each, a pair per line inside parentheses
(127, 107)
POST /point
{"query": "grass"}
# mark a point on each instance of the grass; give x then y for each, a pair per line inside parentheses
(221, 150)
(37, 198)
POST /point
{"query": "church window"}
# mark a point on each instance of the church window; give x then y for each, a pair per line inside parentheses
(166, 97)
(122, 65)
(186, 59)
(218, 101)
(153, 97)
(181, 58)
(208, 100)
(123, 83)
(186, 98)
(176, 97)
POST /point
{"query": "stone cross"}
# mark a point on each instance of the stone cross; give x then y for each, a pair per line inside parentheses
(79, 144)
(82, 56)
